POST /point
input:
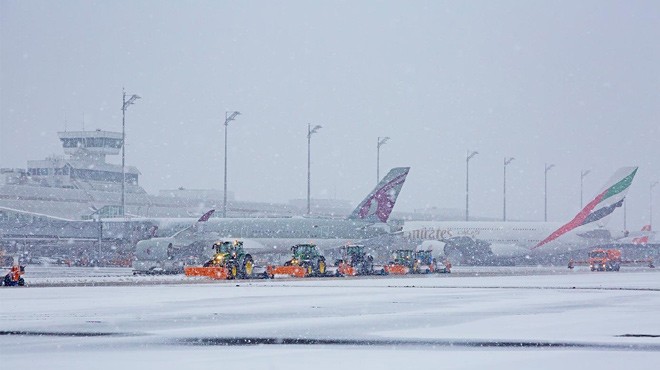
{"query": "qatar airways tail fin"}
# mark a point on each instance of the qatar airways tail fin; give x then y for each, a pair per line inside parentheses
(377, 206)
(608, 199)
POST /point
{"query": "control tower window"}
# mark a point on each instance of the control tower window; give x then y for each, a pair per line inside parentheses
(72, 142)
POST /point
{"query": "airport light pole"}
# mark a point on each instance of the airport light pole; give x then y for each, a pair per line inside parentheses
(583, 174)
(96, 215)
(229, 116)
(548, 167)
(625, 216)
(653, 184)
(381, 142)
(467, 183)
(310, 131)
(131, 100)
(506, 163)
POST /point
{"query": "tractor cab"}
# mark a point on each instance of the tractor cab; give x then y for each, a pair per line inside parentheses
(304, 252)
(354, 250)
(225, 250)
(424, 257)
(307, 256)
(404, 257)
(352, 254)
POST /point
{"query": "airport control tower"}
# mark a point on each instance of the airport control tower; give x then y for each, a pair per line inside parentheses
(86, 167)
(94, 145)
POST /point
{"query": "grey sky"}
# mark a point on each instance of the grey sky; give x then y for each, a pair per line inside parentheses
(576, 84)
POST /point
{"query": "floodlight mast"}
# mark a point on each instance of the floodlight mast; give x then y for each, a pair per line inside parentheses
(229, 116)
(310, 131)
(548, 167)
(381, 141)
(583, 174)
(467, 183)
(653, 185)
(131, 100)
(506, 163)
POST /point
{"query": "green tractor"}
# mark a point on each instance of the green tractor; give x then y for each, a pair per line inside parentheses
(232, 256)
(356, 257)
(307, 256)
(405, 257)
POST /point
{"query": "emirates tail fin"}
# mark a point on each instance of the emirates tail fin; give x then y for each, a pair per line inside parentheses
(601, 207)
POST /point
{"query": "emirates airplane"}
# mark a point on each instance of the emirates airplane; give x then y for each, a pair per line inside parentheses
(482, 240)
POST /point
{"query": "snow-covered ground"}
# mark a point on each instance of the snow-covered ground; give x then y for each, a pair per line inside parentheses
(515, 317)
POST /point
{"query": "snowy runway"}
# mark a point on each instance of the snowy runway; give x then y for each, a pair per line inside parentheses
(534, 318)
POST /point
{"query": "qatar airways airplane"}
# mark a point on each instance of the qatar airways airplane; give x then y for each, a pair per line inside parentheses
(274, 235)
(519, 239)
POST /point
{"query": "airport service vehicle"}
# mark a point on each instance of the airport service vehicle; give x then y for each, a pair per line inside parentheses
(306, 261)
(403, 262)
(607, 260)
(425, 263)
(355, 261)
(229, 262)
(15, 276)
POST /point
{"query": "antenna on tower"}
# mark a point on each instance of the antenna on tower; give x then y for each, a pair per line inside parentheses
(83, 121)
(64, 121)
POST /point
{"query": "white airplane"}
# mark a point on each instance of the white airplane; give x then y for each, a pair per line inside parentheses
(483, 240)
(274, 235)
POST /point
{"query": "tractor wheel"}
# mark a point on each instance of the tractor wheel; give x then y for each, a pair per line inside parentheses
(369, 266)
(321, 266)
(247, 267)
(233, 271)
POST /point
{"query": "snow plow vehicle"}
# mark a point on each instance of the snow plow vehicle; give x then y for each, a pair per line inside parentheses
(403, 262)
(425, 263)
(306, 261)
(15, 276)
(607, 260)
(229, 262)
(355, 261)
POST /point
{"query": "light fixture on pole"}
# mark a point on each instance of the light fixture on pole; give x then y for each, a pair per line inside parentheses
(229, 116)
(467, 183)
(583, 174)
(548, 167)
(506, 163)
(310, 132)
(381, 142)
(131, 100)
(653, 184)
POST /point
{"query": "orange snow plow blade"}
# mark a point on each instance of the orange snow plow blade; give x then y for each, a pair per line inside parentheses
(219, 273)
(294, 271)
(396, 269)
(346, 269)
